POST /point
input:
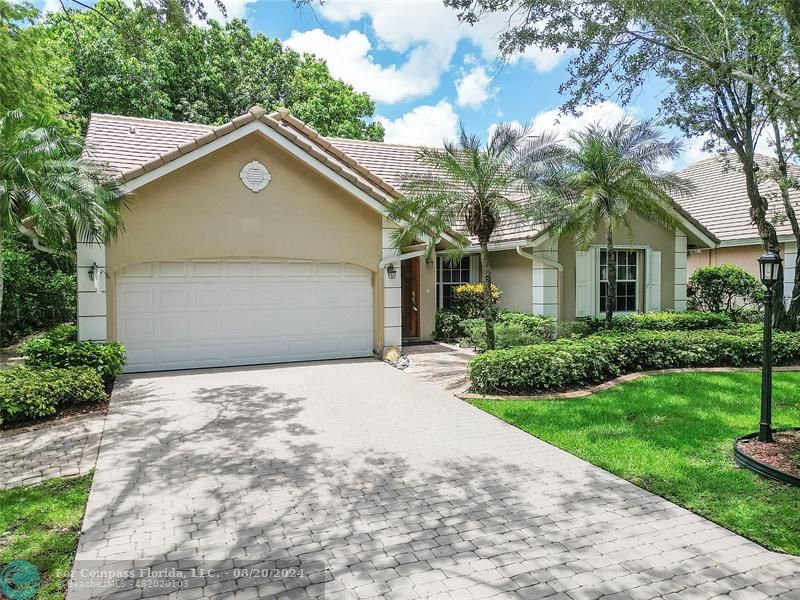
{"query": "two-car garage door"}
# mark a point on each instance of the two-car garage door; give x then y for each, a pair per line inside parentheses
(177, 315)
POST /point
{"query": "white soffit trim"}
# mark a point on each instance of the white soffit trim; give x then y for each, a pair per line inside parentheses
(269, 133)
(754, 241)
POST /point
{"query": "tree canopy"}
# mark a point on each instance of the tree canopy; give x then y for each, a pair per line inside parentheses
(126, 60)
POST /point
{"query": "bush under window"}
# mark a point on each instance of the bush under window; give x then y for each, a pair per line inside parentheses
(724, 288)
(575, 363)
(468, 300)
(511, 329)
(663, 321)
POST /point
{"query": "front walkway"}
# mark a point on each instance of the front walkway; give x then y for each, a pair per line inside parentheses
(442, 365)
(354, 480)
(59, 449)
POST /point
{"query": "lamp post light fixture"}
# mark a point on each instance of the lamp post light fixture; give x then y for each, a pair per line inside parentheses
(391, 271)
(769, 267)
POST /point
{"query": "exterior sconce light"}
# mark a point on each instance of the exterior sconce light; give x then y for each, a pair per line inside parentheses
(391, 271)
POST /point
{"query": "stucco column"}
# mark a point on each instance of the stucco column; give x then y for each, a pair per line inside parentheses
(92, 322)
(544, 279)
(789, 258)
(392, 296)
(680, 270)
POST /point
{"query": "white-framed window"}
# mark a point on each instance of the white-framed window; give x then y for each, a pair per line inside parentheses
(449, 275)
(628, 277)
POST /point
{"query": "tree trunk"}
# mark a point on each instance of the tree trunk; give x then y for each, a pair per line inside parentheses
(2, 280)
(611, 290)
(790, 316)
(488, 307)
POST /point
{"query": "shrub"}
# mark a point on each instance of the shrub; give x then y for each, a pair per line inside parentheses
(60, 348)
(449, 326)
(39, 290)
(27, 393)
(511, 329)
(468, 300)
(574, 363)
(663, 321)
(724, 288)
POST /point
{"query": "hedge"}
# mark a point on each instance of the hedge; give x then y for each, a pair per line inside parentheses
(60, 348)
(511, 329)
(663, 321)
(575, 363)
(27, 393)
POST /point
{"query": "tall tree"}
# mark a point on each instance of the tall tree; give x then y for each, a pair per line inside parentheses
(731, 67)
(124, 60)
(606, 176)
(26, 63)
(472, 187)
(48, 191)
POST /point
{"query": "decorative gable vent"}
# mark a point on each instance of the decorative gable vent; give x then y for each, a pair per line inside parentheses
(255, 176)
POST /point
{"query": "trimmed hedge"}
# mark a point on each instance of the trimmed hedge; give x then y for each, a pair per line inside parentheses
(511, 329)
(60, 348)
(574, 363)
(663, 321)
(27, 393)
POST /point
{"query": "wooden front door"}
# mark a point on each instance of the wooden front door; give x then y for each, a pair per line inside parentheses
(410, 297)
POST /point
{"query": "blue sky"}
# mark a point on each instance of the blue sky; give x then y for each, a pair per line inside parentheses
(427, 72)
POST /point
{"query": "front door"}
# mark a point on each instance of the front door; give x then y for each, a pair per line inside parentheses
(410, 299)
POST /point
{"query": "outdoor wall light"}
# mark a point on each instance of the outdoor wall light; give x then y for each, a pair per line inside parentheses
(391, 271)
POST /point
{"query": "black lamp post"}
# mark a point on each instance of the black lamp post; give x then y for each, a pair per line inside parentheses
(769, 266)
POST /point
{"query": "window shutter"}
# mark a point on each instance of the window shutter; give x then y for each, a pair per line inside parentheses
(583, 283)
(653, 288)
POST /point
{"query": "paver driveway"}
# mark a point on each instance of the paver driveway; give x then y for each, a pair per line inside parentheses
(362, 481)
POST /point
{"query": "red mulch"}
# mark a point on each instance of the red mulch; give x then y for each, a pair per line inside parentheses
(783, 454)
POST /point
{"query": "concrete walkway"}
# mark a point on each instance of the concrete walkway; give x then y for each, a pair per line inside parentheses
(58, 449)
(442, 365)
(354, 480)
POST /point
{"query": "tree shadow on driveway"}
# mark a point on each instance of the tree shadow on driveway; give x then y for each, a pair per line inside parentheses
(267, 493)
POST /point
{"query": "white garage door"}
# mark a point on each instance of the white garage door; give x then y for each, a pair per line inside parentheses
(178, 315)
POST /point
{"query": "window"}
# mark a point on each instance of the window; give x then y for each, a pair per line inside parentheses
(627, 280)
(449, 275)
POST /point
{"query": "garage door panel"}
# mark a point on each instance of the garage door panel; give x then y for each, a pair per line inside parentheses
(215, 313)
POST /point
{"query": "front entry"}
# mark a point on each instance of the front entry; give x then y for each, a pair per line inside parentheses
(410, 297)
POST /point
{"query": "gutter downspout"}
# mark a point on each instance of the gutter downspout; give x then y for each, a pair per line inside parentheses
(549, 263)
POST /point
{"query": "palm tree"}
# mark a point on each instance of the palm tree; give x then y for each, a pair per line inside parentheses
(468, 187)
(607, 174)
(49, 191)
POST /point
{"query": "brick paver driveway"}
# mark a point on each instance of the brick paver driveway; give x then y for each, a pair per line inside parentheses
(354, 480)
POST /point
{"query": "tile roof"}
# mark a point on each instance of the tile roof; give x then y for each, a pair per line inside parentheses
(720, 200)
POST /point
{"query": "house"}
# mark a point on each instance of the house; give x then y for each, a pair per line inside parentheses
(721, 203)
(260, 241)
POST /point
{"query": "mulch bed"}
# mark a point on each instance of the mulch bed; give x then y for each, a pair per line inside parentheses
(783, 454)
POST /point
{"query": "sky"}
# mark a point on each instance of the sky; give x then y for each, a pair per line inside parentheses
(429, 74)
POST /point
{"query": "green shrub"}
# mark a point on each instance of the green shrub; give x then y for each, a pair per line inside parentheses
(468, 300)
(511, 329)
(449, 326)
(663, 321)
(39, 289)
(724, 288)
(27, 393)
(60, 348)
(575, 363)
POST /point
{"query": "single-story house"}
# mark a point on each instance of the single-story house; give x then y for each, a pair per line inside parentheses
(261, 241)
(720, 202)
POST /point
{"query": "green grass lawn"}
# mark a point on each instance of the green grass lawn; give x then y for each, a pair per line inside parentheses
(673, 435)
(41, 524)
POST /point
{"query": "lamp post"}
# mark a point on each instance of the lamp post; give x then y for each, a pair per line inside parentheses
(769, 266)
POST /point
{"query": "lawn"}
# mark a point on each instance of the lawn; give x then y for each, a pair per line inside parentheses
(673, 435)
(41, 524)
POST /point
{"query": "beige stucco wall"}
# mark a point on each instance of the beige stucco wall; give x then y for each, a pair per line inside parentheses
(743, 256)
(643, 234)
(512, 274)
(204, 211)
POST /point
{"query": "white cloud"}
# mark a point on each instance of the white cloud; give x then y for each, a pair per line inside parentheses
(426, 29)
(348, 57)
(51, 6)
(473, 89)
(605, 114)
(235, 9)
(424, 125)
